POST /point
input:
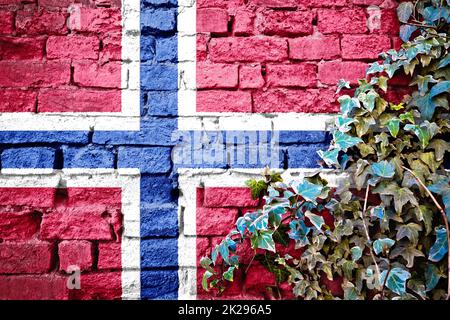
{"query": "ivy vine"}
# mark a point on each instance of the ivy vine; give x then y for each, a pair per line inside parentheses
(390, 209)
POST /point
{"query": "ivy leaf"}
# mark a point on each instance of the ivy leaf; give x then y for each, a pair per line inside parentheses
(442, 187)
(401, 195)
(299, 232)
(406, 31)
(440, 148)
(396, 280)
(407, 116)
(408, 253)
(425, 132)
(439, 249)
(394, 126)
(432, 277)
(374, 68)
(444, 62)
(356, 253)
(382, 245)
(383, 169)
(425, 214)
(228, 275)
(343, 124)
(344, 141)
(205, 278)
(256, 187)
(330, 157)
(368, 99)
(348, 104)
(410, 230)
(309, 191)
(316, 220)
(378, 212)
(342, 84)
(404, 11)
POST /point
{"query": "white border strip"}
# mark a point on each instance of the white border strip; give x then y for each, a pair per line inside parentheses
(189, 180)
(127, 119)
(190, 119)
(128, 180)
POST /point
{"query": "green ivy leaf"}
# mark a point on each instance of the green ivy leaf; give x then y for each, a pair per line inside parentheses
(444, 62)
(442, 187)
(425, 132)
(396, 280)
(394, 126)
(432, 277)
(404, 11)
(383, 169)
(408, 252)
(228, 275)
(309, 191)
(382, 245)
(316, 220)
(410, 230)
(356, 253)
(256, 187)
(440, 248)
(263, 240)
(348, 104)
(205, 278)
(440, 148)
(344, 141)
(330, 157)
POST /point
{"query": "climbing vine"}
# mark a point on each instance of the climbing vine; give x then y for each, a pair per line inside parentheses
(380, 228)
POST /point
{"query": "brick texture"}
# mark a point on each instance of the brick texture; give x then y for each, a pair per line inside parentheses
(285, 52)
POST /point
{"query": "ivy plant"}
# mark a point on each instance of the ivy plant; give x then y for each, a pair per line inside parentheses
(390, 209)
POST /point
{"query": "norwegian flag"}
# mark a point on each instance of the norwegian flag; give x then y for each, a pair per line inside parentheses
(128, 129)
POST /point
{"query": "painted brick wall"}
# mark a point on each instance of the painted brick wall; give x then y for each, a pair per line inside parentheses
(61, 58)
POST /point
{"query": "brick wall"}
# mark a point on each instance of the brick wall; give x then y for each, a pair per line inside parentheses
(285, 56)
(65, 63)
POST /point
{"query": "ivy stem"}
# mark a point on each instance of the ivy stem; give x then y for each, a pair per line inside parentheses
(251, 261)
(366, 229)
(444, 218)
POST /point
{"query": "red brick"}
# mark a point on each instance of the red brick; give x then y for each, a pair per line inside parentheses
(250, 77)
(92, 74)
(315, 47)
(275, 3)
(42, 287)
(34, 74)
(364, 46)
(73, 47)
(56, 3)
(258, 279)
(217, 75)
(253, 49)
(17, 100)
(397, 43)
(285, 23)
(41, 22)
(323, 3)
(283, 100)
(219, 3)
(212, 20)
(203, 248)
(368, 2)
(18, 225)
(389, 23)
(30, 197)
(21, 48)
(202, 46)
(217, 197)
(335, 285)
(112, 48)
(84, 197)
(397, 95)
(244, 22)
(224, 101)
(215, 221)
(25, 257)
(75, 253)
(6, 22)
(99, 286)
(332, 71)
(79, 100)
(76, 224)
(109, 256)
(344, 21)
(292, 75)
(98, 20)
